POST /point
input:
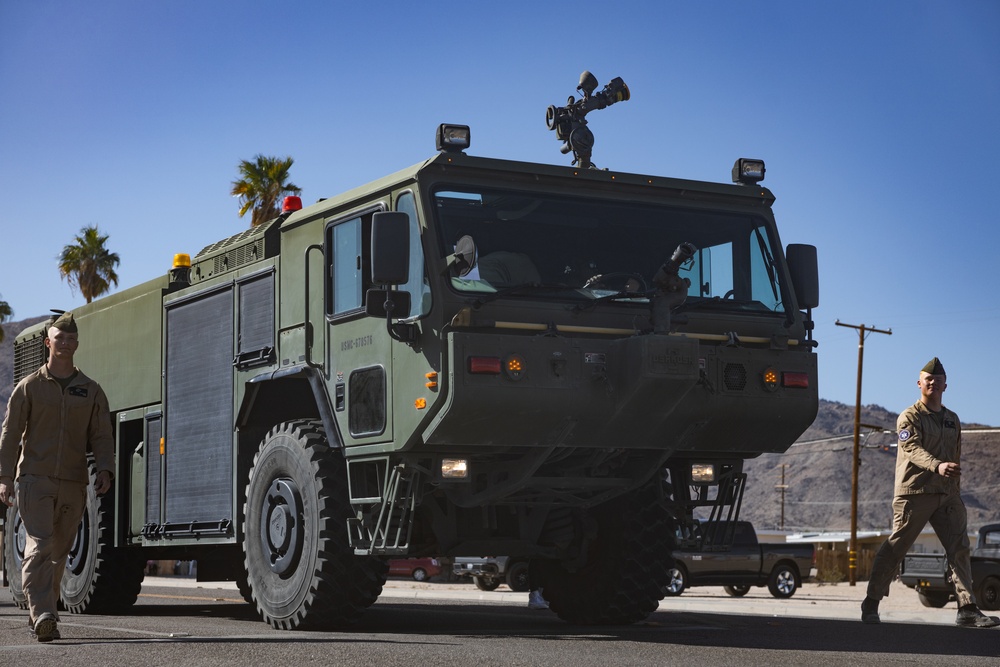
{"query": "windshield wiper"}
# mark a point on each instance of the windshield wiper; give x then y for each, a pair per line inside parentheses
(625, 294)
(523, 287)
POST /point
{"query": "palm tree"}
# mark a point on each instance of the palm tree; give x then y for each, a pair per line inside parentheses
(5, 312)
(87, 265)
(261, 185)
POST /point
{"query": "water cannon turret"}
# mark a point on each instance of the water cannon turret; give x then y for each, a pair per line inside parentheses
(570, 121)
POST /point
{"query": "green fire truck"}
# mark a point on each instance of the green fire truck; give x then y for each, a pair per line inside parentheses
(470, 356)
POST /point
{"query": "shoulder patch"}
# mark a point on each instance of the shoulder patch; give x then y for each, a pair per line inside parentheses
(904, 435)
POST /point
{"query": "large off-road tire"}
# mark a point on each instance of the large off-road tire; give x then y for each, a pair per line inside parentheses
(13, 549)
(625, 568)
(988, 595)
(678, 581)
(517, 576)
(486, 583)
(933, 599)
(99, 577)
(303, 574)
(784, 581)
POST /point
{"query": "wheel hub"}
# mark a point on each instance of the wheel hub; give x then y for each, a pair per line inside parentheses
(281, 526)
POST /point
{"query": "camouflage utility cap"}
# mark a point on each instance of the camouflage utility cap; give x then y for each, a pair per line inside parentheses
(933, 367)
(65, 322)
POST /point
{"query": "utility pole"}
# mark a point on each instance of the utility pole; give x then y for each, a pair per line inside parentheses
(782, 488)
(853, 554)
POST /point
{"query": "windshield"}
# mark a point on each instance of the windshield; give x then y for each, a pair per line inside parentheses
(590, 248)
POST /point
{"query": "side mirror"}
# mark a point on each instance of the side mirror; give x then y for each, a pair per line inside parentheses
(466, 256)
(804, 269)
(390, 248)
(387, 304)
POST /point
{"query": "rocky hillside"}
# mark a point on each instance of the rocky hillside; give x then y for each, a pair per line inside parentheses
(817, 468)
(817, 473)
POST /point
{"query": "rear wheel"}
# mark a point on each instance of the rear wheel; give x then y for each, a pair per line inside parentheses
(420, 574)
(486, 583)
(737, 591)
(784, 581)
(300, 566)
(100, 578)
(933, 599)
(988, 595)
(678, 581)
(517, 576)
(626, 566)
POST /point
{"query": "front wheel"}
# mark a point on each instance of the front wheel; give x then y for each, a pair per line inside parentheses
(420, 574)
(736, 591)
(620, 577)
(14, 541)
(301, 568)
(784, 581)
(988, 595)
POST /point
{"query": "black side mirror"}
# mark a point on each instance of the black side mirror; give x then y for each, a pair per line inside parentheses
(390, 248)
(387, 304)
(804, 269)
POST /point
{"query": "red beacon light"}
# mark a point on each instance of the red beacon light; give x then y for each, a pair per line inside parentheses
(292, 203)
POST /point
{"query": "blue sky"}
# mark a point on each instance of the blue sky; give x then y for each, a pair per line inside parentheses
(878, 122)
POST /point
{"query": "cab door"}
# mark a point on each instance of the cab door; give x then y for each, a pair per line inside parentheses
(360, 356)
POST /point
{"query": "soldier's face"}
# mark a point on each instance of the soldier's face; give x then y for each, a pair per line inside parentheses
(62, 344)
(931, 385)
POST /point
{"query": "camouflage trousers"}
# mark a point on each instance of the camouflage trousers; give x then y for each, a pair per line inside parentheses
(910, 513)
(51, 510)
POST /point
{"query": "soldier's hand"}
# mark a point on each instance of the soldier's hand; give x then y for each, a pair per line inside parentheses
(103, 482)
(6, 493)
(949, 469)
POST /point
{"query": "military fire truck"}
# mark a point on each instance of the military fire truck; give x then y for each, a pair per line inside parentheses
(469, 356)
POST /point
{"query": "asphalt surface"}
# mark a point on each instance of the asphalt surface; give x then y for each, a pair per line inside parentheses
(180, 622)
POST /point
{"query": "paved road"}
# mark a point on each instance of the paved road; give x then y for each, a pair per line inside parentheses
(178, 622)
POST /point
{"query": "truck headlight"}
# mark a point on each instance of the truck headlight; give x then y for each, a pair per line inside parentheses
(454, 468)
(702, 473)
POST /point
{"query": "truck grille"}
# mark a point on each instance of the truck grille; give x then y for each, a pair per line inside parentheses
(28, 357)
(735, 377)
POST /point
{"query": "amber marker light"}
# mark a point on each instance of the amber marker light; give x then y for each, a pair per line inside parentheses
(420, 403)
(431, 380)
(770, 378)
(514, 367)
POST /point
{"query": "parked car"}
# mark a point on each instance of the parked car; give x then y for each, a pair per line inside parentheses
(930, 576)
(705, 559)
(421, 569)
(489, 572)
